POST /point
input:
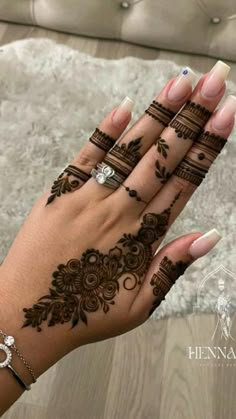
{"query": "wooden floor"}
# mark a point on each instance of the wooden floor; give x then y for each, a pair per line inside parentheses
(145, 374)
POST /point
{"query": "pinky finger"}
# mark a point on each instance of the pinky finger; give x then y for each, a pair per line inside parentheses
(105, 136)
(167, 266)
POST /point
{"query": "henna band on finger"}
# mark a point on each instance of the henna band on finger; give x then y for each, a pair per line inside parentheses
(64, 183)
(206, 149)
(102, 140)
(124, 157)
(189, 122)
(165, 278)
(161, 114)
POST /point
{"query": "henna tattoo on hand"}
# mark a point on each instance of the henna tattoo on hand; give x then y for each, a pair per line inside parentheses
(189, 122)
(133, 194)
(157, 111)
(162, 173)
(164, 279)
(162, 146)
(123, 158)
(92, 282)
(64, 184)
(102, 140)
(205, 151)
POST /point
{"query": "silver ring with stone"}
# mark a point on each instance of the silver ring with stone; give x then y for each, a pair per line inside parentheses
(107, 176)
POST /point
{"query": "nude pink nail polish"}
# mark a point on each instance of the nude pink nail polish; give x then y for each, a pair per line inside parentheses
(215, 80)
(181, 85)
(204, 243)
(225, 115)
(123, 111)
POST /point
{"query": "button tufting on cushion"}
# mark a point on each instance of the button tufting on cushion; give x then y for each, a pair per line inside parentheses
(125, 5)
(183, 25)
(215, 20)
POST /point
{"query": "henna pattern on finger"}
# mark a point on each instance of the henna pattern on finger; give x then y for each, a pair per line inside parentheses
(102, 140)
(161, 114)
(162, 147)
(133, 194)
(64, 183)
(161, 172)
(189, 122)
(165, 278)
(123, 158)
(205, 150)
(91, 283)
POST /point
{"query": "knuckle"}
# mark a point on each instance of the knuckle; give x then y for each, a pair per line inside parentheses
(181, 185)
(85, 158)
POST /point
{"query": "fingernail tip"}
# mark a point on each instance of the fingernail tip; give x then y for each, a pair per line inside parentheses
(188, 71)
(232, 97)
(128, 99)
(224, 67)
(213, 232)
(217, 233)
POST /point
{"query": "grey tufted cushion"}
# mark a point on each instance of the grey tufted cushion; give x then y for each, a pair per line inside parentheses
(183, 25)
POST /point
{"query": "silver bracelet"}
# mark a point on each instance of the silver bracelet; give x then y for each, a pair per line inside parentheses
(9, 343)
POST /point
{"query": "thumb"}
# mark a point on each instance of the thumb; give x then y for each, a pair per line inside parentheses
(167, 266)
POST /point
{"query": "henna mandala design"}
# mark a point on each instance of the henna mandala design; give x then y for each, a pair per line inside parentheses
(189, 122)
(157, 111)
(165, 278)
(205, 151)
(123, 158)
(162, 173)
(162, 146)
(92, 282)
(63, 184)
(102, 140)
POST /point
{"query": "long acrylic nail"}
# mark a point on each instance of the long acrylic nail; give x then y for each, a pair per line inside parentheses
(123, 111)
(214, 81)
(204, 244)
(224, 117)
(181, 85)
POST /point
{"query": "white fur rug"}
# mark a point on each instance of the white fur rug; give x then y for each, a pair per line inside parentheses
(52, 98)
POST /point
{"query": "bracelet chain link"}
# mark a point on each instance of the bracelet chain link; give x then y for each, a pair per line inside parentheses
(15, 349)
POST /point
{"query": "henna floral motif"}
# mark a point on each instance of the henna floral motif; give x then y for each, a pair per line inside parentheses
(92, 282)
(64, 183)
(165, 278)
(162, 173)
(162, 146)
(124, 157)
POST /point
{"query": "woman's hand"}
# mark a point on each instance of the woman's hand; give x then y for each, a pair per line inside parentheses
(82, 267)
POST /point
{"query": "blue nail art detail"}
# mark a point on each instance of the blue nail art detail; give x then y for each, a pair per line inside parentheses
(185, 72)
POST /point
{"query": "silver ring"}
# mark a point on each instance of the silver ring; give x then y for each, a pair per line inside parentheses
(107, 176)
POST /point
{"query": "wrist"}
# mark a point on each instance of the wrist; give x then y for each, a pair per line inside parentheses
(40, 349)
